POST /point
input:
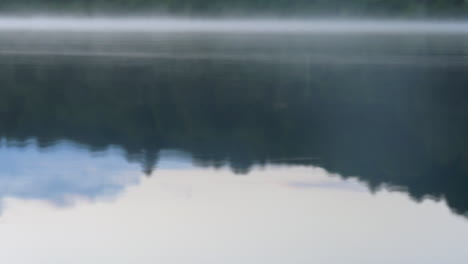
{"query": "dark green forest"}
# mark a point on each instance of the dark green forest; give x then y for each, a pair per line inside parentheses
(417, 8)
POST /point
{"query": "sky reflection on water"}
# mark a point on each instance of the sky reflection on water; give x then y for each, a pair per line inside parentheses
(185, 214)
(66, 172)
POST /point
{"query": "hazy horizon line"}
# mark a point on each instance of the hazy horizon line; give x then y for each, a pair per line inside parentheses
(228, 24)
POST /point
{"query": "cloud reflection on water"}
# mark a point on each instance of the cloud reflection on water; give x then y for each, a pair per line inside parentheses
(64, 173)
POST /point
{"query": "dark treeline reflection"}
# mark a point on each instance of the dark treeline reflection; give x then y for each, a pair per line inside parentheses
(389, 124)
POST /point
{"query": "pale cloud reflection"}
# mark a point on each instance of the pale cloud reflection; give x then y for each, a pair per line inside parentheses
(66, 172)
(63, 173)
(206, 213)
(255, 219)
(346, 186)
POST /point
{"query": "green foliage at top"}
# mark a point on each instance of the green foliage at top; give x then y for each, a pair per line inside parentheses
(238, 7)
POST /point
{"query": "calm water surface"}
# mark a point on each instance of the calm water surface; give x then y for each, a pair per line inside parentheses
(204, 147)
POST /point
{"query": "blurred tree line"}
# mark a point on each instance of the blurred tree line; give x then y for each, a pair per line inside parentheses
(239, 7)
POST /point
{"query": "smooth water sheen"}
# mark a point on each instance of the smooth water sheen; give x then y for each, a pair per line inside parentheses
(228, 146)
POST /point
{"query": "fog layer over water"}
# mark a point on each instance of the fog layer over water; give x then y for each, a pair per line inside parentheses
(267, 25)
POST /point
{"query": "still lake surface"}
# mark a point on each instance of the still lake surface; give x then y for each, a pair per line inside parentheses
(239, 147)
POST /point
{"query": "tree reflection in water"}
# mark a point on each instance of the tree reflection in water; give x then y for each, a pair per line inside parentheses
(388, 124)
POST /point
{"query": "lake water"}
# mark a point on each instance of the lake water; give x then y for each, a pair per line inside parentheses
(250, 146)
